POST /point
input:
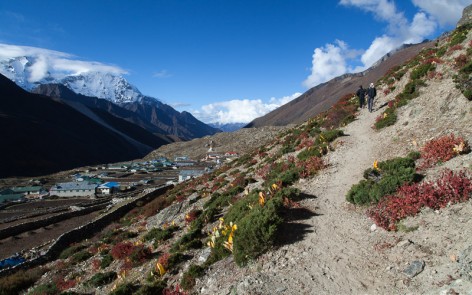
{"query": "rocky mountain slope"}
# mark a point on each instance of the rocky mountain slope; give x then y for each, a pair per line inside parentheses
(154, 116)
(43, 136)
(325, 207)
(320, 98)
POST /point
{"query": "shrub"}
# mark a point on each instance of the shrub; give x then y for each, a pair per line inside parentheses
(190, 240)
(71, 250)
(315, 151)
(421, 70)
(460, 61)
(380, 182)
(20, 280)
(188, 279)
(152, 289)
(45, 289)
(388, 118)
(107, 259)
(125, 289)
(81, 256)
(122, 250)
(450, 188)
(257, 231)
(443, 149)
(101, 279)
(159, 235)
(310, 166)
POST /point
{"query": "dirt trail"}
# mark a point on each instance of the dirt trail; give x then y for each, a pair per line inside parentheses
(334, 252)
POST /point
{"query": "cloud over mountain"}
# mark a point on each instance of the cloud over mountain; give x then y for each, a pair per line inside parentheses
(332, 59)
(240, 110)
(57, 64)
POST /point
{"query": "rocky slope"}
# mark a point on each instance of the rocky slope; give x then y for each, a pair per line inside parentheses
(320, 98)
(313, 241)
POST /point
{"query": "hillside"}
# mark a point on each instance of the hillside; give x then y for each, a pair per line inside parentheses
(42, 136)
(325, 207)
(320, 98)
(241, 141)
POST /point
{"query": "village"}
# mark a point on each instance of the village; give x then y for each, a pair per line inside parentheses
(113, 179)
(34, 215)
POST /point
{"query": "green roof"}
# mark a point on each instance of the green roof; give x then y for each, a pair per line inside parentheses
(25, 189)
(11, 197)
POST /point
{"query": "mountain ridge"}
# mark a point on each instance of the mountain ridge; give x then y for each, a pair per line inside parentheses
(321, 97)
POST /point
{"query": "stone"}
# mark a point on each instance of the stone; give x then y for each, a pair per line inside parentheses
(415, 268)
(465, 264)
(373, 227)
(204, 255)
(404, 243)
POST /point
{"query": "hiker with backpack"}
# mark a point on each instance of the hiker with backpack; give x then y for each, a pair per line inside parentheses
(361, 94)
(371, 93)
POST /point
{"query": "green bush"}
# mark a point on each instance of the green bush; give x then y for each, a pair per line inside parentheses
(159, 235)
(330, 135)
(188, 279)
(421, 70)
(286, 172)
(45, 289)
(152, 289)
(378, 183)
(175, 259)
(359, 193)
(66, 253)
(102, 278)
(314, 151)
(389, 120)
(257, 231)
(190, 240)
(414, 155)
(81, 256)
(125, 289)
(107, 259)
(242, 207)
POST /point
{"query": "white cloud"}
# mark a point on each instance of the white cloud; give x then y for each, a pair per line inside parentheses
(239, 110)
(332, 60)
(445, 12)
(56, 63)
(162, 74)
(329, 62)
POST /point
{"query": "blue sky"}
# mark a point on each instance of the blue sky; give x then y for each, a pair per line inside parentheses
(225, 60)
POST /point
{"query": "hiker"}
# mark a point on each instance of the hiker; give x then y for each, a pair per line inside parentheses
(371, 93)
(361, 94)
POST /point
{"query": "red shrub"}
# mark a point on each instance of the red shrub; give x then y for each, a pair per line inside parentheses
(96, 264)
(63, 284)
(304, 144)
(164, 260)
(432, 60)
(455, 48)
(386, 91)
(192, 215)
(310, 166)
(450, 188)
(442, 149)
(174, 291)
(122, 250)
(460, 61)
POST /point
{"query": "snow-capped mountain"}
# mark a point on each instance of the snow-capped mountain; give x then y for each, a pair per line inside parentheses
(25, 71)
(228, 127)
